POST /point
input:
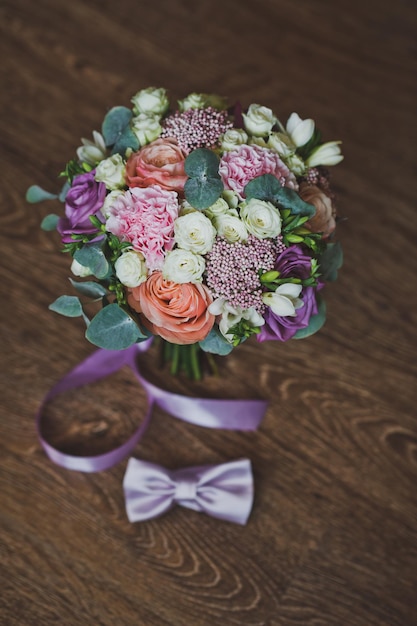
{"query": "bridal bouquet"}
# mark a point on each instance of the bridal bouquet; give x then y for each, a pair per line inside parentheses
(202, 224)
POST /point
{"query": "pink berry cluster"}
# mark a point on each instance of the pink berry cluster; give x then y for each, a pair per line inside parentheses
(196, 128)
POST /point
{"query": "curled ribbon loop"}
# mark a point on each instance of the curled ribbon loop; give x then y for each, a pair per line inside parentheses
(223, 491)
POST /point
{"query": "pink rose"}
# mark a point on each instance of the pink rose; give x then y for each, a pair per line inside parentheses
(239, 166)
(176, 312)
(159, 163)
(324, 219)
(145, 218)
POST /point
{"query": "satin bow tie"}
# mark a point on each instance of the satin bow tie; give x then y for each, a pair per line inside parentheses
(223, 491)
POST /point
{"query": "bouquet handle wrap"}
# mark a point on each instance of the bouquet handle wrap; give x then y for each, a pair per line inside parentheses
(244, 415)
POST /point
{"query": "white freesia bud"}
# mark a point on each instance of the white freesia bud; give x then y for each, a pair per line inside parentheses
(229, 316)
(92, 152)
(146, 127)
(300, 131)
(261, 218)
(258, 120)
(80, 270)
(111, 172)
(218, 208)
(281, 144)
(284, 300)
(151, 100)
(231, 228)
(194, 232)
(131, 269)
(183, 266)
(233, 138)
(327, 154)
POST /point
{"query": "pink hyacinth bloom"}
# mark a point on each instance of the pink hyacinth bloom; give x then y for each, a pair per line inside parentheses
(239, 166)
(145, 218)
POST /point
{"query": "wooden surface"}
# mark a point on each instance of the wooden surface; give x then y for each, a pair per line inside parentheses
(332, 540)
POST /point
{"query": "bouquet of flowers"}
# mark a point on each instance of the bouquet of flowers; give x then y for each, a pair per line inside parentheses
(202, 225)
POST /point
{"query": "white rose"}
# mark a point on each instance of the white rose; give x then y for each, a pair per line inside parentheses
(233, 138)
(146, 127)
(111, 172)
(151, 100)
(261, 218)
(231, 198)
(218, 208)
(284, 300)
(194, 232)
(183, 266)
(258, 120)
(300, 131)
(231, 228)
(92, 152)
(193, 101)
(80, 270)
(108, 201)
(281, 143)
(130, 268)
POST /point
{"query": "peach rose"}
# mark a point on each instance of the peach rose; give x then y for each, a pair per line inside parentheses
(158, 163)
(176, 312)
(324, 219)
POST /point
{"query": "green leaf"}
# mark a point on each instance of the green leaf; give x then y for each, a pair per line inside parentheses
(202, 163)
(268, 188)
(36, 194)
(216, 343)
(316, 321)
(113, 329)
(50, 222)
(114, 123)
(64, 191)
(70, 306)
(330, 261)
(92, 256)
(126, 140)
(90, 289)
(202, 192)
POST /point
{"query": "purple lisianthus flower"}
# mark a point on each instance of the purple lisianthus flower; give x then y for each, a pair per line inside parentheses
(295, 264)
(84, 198)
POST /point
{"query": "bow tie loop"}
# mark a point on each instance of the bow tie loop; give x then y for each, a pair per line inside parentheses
(224, 491)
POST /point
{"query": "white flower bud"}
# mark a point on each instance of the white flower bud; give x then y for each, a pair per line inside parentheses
(130, 268)
(233, 138)
(300, 131)
(146, 127)
(194, 232)
(231, 228)
(261, 218)
(111, 172)
(296, 164)
(327, 154)
(281, 144)
(92, 152)
(284, 300)
(193, 101)
(183, 266)
(151, 100)
(258, 120)
(80, 270)
(218, 208)
(230, 316)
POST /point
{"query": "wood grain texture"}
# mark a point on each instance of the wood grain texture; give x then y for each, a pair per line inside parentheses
(332, 540)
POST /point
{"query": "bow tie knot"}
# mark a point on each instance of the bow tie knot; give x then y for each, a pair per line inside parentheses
(224, 491)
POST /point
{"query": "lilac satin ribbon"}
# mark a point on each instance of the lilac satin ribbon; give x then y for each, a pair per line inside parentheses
(211, 413)
(224, 491)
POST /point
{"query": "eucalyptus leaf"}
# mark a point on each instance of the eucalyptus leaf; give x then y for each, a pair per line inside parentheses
(330, 261)
(36, 194)
(70, 306)
(92, 256)
(216, 343)
(202, 163)
(50, 222)
(126, 140)
(316, 321)
(63, 193)
(202, 192)
(114, 123)
(113, 329)
(90, 289)
(268, 188)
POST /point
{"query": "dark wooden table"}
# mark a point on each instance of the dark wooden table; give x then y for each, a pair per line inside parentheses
(332, 539)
